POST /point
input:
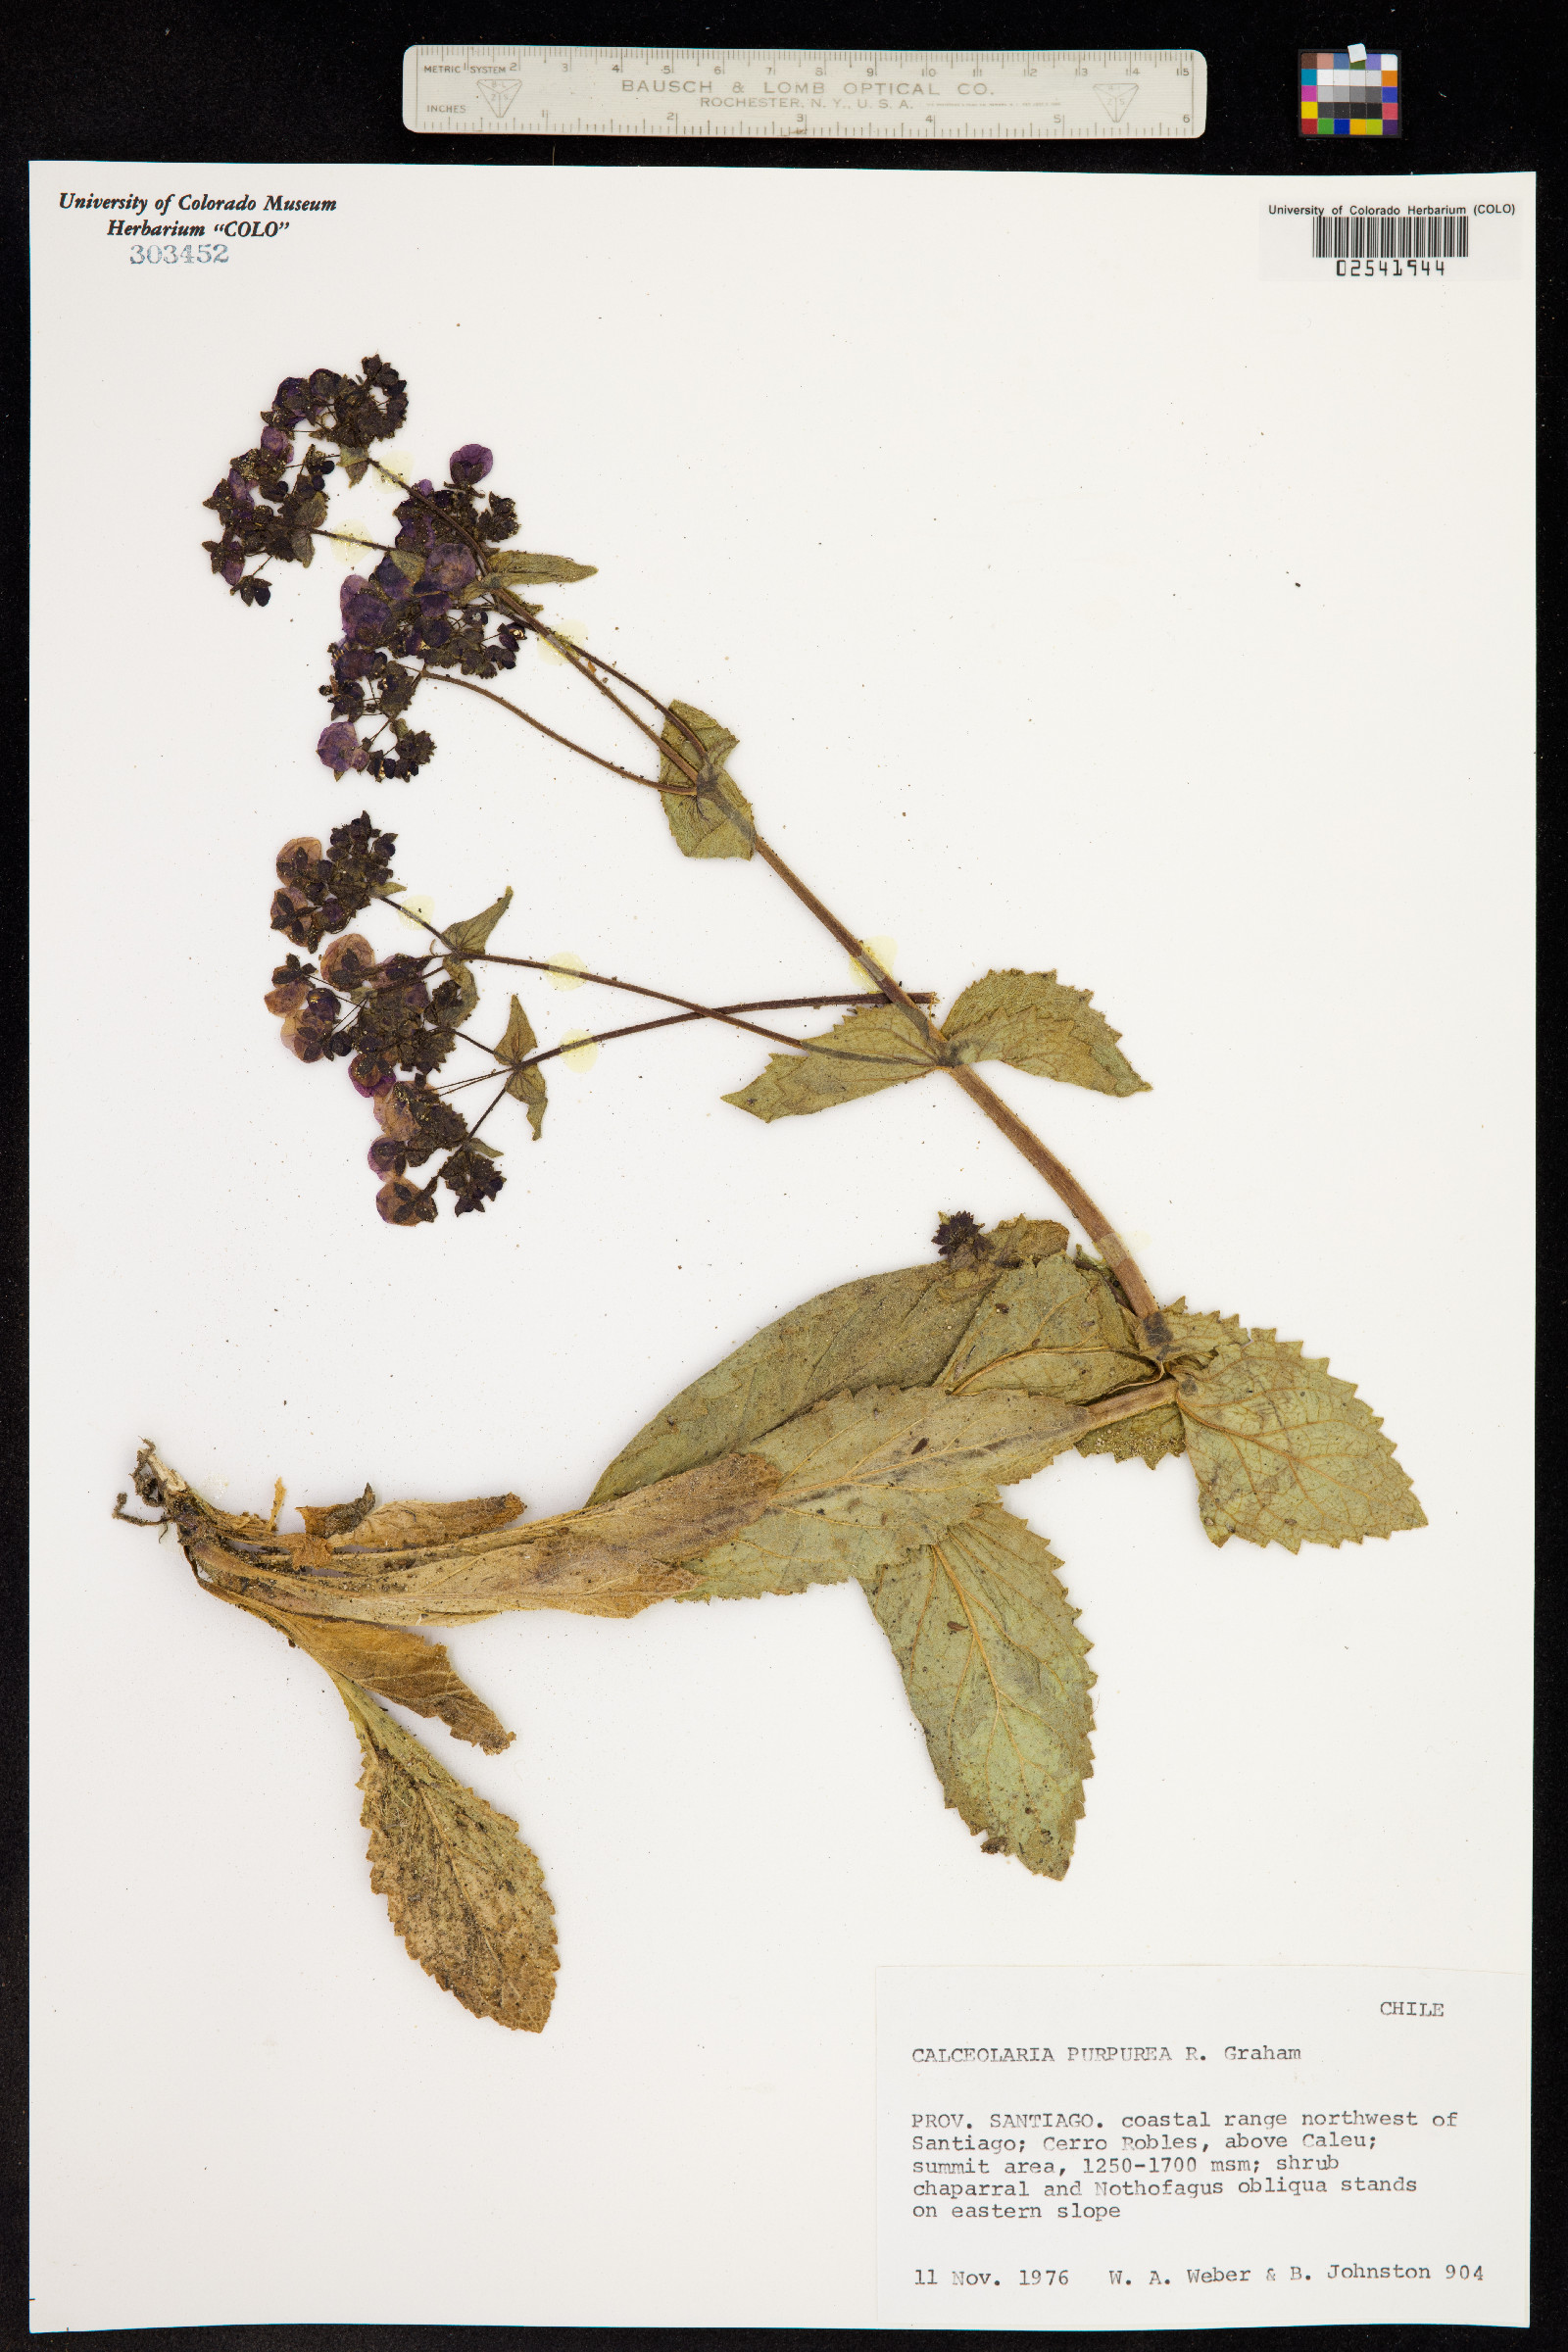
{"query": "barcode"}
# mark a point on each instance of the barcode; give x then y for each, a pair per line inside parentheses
(1392, 236)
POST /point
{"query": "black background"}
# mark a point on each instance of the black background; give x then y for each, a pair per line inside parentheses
(1482, 90)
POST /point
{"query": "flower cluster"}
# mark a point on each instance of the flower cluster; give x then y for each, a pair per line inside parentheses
(384, 1016)
(264, 513)
(321, 893)
(417, 613)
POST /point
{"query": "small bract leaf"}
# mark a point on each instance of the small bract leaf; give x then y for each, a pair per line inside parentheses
(528, 1088)
(467, 992)
(470, 937)
(525, 1086)
(463, 1890)
(511, 563)
(718, 822)
(994, 1664)
(518, 1040)
(1032, 1021)
(862, 1054)
(1282, 1451)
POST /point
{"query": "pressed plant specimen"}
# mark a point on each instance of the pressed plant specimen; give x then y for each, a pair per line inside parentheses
(864, 1436)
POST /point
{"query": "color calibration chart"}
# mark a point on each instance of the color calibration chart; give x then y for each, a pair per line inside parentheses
(1349, 93)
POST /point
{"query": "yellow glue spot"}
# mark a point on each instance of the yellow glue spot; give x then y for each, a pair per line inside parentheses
(351, 544)
(415, 912)
(581, 1049)
(886, 953)
(567, 979)
(547, 652)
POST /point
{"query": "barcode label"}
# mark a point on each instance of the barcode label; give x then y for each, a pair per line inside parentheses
(1392, 237)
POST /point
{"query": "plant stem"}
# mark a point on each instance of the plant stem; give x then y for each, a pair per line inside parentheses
(713, 1012)
(1065, 1184)
(1056, 1174)
(441, 677)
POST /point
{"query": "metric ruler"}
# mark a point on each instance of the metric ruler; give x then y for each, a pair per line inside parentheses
(488, 90)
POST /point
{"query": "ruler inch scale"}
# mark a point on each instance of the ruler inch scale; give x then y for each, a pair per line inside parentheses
(490, 89)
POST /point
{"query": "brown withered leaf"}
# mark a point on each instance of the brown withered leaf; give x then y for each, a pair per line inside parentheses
(397, 1664)
(994, 1668)
(882, 1331)
(718, 824)
(1052, 1328)
(865, 1479)
(463, 1890)
(1032, 1021)
(1282, 1451)
(862, 1054)
(337, 1518)
(393, 1526)
(610, 1560)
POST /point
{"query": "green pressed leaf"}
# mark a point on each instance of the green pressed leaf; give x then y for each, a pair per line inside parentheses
(470, 937)
(861, 1055)
(1282, 1451)
(525, 1086)
(1052, 1328)
(865, 1479)
(514, 564)
(1146, 1438)
(719, 822)
(994, 1664)
(304, 546)
(1019, 1241)
(892, 1331)
(1032, 1021)
(409, 564)
(312, 513)
(463, 1890)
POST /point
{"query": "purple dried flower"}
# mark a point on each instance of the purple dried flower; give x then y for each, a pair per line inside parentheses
(470, 463)
(277, 444)
(391, 579)
(339, 748)
(448, 568)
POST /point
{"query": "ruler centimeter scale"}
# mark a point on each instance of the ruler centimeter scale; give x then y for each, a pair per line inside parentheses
(485, 90)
